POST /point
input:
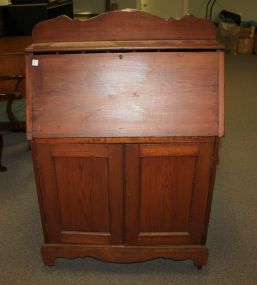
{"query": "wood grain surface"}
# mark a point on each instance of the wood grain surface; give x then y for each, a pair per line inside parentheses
(123, 25)
(104, 46)
(125, 254)
(166, 192)
(82, 206)
(12, 61)
(125, 94)
(124, 112)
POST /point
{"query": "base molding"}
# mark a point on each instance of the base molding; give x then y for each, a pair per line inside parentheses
(125, 254)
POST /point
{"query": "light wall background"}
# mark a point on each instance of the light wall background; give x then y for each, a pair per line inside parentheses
(4, 2)
(94, 7)
(161, 8)
(246, 8)
(174, 8)
(165, 8)
(98, 6)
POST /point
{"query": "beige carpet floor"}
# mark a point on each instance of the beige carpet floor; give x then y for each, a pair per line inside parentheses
(232, 236)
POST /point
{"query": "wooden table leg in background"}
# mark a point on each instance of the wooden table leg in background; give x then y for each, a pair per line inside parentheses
(2, 168)
(10, 96)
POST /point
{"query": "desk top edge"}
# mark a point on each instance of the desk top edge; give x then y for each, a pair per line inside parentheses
(125, 45)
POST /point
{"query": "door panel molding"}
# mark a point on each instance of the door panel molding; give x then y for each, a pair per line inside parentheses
(179, 206)
(78, 208)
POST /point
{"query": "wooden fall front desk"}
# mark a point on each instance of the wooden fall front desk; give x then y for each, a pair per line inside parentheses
(125, 155)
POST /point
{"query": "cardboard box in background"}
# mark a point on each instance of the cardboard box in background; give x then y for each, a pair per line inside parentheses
(247, 32)
(245, 46)
(255, 44)
(246, 40)
(228, 34)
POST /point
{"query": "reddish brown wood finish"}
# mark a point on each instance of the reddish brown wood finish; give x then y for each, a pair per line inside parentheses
(215, 158)
(125, 94)
(98, 46)
(12, 59)
(68, 219)
(221, 95)
(124, 112)
(125, 254)
(122, 140)
(14, 45)
(28, 98)
(85, 205)
(166, 192)
(122, 26)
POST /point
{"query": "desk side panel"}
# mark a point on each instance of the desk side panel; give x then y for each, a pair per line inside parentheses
(28, 60)
(221, 95)
(125, 94)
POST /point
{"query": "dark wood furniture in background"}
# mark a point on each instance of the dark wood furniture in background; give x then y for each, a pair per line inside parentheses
(12, 73)
(21, 18)
(12, 60)
(2, 168)
(10, 97)
(125, 155)
(3, 21)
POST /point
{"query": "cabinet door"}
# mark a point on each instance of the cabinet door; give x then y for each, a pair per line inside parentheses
(80, 192)
(167, 189)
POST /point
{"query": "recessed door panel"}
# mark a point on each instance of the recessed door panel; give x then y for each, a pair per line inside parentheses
(84, 203)
(166, 192)
(165, 183)
(82, 192)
